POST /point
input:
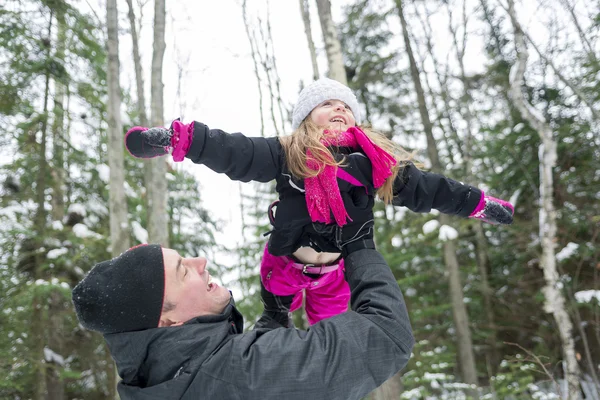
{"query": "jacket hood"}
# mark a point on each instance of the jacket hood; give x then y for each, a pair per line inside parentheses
(154, 362)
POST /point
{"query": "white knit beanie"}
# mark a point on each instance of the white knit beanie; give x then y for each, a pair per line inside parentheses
(319, 91)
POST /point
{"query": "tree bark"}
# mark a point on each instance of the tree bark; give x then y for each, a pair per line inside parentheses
(58, 168)
(253, 51)
(459, 311)
(137, 63)
(141, 103)
(267, 63)
(119, 226)
(274, 71)
(333, 48)
(481, 245)
(305, 11)
(554, 298)
(38, 303)
(55, 329)
(158, 224)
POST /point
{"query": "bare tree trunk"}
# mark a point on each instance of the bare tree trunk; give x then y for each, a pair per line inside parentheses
(333, 47)
(481, 246)
(139, 73)
(38, 304)
(305, 11)
(158, 224)
(267, 61)
(554, 298)
(54, 328)
(459, 311)
(119, 226)
(265, 58)
(273, 69)
(460, 315)
(141, 104)
(442, 79)
(54, 382)
(254, 50)
(58, 169)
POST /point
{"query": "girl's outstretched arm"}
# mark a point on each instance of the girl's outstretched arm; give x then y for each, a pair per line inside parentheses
(240, 157)
(422, 191)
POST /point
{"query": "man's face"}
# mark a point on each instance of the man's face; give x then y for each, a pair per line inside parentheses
(189, 286)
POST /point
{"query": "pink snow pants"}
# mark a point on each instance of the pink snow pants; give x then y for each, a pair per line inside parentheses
(326, 296)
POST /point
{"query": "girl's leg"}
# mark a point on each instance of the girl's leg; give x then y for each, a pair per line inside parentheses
(280, 292)
(276, 310)
(327, 296)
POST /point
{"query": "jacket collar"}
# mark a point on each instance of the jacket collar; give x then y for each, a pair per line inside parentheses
(152, 356)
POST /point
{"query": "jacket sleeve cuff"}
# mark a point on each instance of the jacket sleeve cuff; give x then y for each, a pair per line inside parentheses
(471, 202)
(198, 142)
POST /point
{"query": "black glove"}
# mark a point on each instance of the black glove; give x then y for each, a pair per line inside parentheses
(358, 233)
(154, 142)
(493, 211)
(148, 143)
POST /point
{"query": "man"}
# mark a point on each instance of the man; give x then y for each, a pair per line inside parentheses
(175, 334)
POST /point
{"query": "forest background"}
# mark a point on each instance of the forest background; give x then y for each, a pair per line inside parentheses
(501, 94)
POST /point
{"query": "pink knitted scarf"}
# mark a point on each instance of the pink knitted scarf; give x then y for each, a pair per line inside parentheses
(323, 196)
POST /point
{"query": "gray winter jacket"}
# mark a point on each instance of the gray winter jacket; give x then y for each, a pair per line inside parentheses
(343, 357)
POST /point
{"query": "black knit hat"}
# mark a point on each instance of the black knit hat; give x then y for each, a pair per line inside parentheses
(123, 294)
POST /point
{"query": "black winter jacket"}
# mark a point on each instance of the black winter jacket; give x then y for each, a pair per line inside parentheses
(261, 159)
(343, 357)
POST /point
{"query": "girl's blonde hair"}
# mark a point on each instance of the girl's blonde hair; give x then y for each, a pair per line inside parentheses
(308, 136)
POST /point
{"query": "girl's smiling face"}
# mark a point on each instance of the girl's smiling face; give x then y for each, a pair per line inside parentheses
(333, 115)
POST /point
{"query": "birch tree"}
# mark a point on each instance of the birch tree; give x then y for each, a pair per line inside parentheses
(55, 327)
(554, 298)
(137, 64)
(158, 218)
(141, 105)
(40, 229)
(119, 232)
(119, 226)
(459, 311)
(333, 48)
(481, 244)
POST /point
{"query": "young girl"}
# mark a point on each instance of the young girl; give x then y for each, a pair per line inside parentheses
(327, 158)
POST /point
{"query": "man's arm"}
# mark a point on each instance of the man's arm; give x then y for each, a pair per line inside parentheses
(343, 357)
(240, 157)
(421, 191)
